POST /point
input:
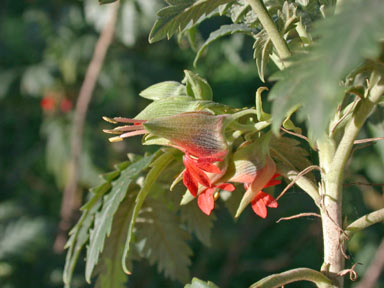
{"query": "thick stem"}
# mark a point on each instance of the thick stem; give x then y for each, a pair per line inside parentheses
(299, 274)
(333, 165)
(269, 26)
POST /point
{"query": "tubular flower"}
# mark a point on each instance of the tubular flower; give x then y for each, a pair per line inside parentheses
(206, 199)
(198, 134)
(256, 169)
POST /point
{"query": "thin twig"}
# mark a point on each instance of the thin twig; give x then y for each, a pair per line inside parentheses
(363, 184)
(308, 214)
(374, 270)
(302, 173)
(361, 141)
(351, 271)
(85, 95)
(295, 134)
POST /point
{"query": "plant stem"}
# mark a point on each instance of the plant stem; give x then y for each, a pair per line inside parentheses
(269, 26)
(333, 165)
(298, 274)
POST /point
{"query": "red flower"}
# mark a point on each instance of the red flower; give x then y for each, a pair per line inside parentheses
(206, 199)
(263, 200)
(48, 103)
(65, 105)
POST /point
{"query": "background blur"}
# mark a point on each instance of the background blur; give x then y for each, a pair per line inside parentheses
(45, 49)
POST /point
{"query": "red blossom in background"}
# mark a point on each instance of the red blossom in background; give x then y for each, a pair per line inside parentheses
(48, 104)
(66, 105)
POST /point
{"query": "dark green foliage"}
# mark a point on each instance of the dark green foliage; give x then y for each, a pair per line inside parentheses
(313, 80)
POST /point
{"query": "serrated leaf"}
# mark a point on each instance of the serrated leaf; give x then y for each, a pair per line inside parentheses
(197, 222)
(224, 30)
(197, 86)
(157, 168)
(163, 241)
(175, 17)
(313, 81)
(291, 153)
(109, 271)
(103, 218)
(164, 90)
(79, 235)
(262, 50)
(197, 283)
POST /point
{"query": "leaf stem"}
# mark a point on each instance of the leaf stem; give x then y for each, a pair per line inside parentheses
(364, 222)
(298, 274)
(269, 26)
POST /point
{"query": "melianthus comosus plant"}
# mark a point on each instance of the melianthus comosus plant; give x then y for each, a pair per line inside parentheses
(330, 55)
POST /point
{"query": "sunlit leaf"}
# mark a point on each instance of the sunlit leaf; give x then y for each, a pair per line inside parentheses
(197, 283)
(175, 17)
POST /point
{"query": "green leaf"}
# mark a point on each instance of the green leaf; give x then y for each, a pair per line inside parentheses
(224, 30)
(103, 218)
(197, 283)
(164, 90)
(313, 80)
(290, 152)
(197, 222)
(262, 50)
(79, 235)
(197, 86)
(106, 1)
(175, 17)
(163, 241)
(157, 168)
(168, 107)
(109, 271)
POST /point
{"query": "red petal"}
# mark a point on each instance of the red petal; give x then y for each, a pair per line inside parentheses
(272, 182)
(258, 206)
(190, 183)
(198, 175)
(208, 167)
(268, 199)
(205, 201)
(226, 186)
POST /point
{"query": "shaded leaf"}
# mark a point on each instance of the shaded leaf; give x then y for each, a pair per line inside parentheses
(197, 222)
(197, 283)
(224, 30)
(111, 202)
(175, 17)
(262, 50)
(313, 81)
(163, 241)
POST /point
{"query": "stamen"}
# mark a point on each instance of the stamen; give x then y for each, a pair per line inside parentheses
(129, 128)
(111, 131)
(133, 133)
(127, 120)
(115, 139)
(105, 118)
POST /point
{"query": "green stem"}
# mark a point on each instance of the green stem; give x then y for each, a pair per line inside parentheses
(333, 162)
(364, 222)
(269, 26)
(298, 274)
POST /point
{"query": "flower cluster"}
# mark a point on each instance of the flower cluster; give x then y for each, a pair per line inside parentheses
(209, 167)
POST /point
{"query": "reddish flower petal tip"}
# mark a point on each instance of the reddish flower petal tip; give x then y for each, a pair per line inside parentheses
(226, 186)
(258, 206)
(206, 201)
(190, 183)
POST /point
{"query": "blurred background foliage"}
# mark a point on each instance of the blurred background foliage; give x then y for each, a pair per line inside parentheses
(45, 48)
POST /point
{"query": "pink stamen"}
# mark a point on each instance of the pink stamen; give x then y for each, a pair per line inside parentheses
(133, 133)
(128, 120)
